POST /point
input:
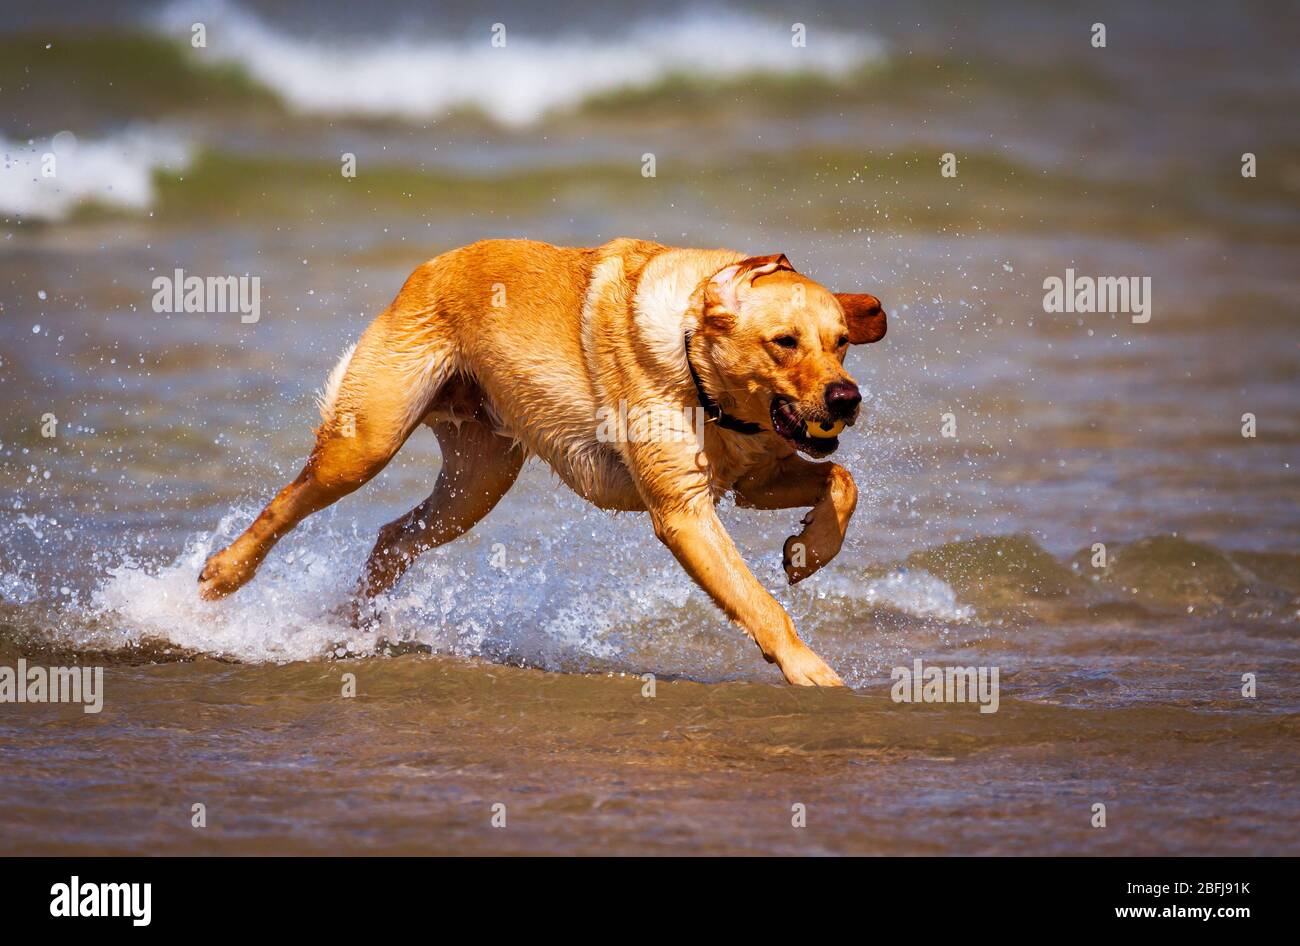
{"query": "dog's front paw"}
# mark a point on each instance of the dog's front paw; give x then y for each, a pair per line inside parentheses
(224, 573)
(799, 559)
(804, 668)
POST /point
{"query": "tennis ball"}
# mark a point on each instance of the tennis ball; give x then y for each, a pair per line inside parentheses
(824, 430)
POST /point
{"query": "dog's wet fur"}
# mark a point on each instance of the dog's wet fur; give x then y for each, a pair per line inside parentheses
(507, 348)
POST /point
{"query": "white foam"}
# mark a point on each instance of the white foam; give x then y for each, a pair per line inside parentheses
(516, 84)
(17, 589)
(452, 601)
(919, 594)
(911, 591)
(115, 171)
(286, 614)
(549, 611)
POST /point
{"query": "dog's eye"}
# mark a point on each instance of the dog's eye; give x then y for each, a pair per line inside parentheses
(844, 340)
(787, 341)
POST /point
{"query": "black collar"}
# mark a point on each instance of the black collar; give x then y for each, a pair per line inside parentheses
(711, 409)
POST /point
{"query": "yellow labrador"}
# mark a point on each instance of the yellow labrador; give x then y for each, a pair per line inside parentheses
(648, 377)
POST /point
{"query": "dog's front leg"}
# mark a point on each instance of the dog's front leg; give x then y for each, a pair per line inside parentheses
(793, 482)
(697, 539)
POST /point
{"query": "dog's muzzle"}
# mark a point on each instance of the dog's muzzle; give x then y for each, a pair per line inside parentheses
(842, 400)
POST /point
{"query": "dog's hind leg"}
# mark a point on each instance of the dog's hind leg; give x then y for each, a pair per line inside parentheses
(373, 400)
(478, 467)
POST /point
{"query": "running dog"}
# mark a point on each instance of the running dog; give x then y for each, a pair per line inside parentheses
(508, 348)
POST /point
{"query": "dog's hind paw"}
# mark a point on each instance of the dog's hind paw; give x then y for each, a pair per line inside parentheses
(222, 575)
(361, 613)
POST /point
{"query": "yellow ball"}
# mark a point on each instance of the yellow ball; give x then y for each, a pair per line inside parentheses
(824, 431)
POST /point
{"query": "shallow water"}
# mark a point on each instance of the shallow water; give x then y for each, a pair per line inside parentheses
(509, 664)
(415, 763)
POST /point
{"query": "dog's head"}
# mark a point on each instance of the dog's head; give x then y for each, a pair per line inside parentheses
(777, 342)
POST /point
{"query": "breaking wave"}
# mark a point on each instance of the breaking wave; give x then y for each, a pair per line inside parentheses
(49, 178)
(421, 77)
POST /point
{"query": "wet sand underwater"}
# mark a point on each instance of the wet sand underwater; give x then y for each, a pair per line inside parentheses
(417, 761)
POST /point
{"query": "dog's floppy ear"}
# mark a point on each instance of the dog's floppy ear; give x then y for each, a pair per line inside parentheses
(865, 317)
(757, 266)
(722, 294)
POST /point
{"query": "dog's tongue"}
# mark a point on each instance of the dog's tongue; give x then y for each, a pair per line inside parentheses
(789, 419)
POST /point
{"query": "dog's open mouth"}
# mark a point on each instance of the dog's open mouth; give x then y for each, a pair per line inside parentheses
(815, 435)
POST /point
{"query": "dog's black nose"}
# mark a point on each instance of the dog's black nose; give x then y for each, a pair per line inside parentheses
(843, 398)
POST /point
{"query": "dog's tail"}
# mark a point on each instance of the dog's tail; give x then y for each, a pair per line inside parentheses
(327, 397)
(387, 378)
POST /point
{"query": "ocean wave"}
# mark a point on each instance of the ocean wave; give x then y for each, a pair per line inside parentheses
(50, 178)
(423, 78)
